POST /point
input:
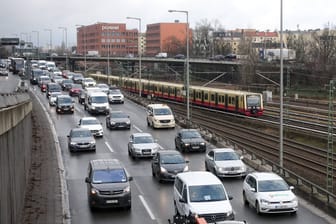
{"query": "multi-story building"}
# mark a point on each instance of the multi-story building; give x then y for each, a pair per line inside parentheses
(108, 39)
(166, 37)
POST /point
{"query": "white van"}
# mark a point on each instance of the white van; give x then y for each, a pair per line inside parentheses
(201, 193)
(160, 116)
(97, 102)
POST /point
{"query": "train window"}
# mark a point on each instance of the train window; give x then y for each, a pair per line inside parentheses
(212, 97)
(206, 96)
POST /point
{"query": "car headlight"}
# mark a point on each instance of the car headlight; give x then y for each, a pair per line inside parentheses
(128, 122)
(163, 170)
(93, 191)
(220, 169)
(137, 150)
(155, 149)
(186, 168)
(72, 143)
(93, 108)
(100, 130)
(112, 122)
(93, 142)
(263, 201)
(186, 144)
(202, 143)
(127, 189)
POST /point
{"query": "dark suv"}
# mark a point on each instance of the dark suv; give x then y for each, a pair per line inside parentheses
(108, 184)
(64, 104)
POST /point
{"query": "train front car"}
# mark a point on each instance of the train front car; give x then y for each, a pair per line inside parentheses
(253, 104)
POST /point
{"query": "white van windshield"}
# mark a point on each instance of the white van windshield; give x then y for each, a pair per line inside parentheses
(206, 193)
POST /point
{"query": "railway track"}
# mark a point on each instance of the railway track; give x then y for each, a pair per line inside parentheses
(261, 136)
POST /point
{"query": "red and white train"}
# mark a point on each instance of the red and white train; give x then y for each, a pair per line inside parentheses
(242, 102)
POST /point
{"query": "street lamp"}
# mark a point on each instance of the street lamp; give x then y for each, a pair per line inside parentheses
(187, 62)
(64, 29)
(38, 43)
(139, 49)
(281, 90)
(84, 40)
(50, 38)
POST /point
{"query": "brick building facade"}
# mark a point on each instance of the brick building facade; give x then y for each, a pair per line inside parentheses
(108, 39)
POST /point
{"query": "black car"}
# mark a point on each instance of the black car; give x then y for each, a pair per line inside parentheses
(81, 139)
(189, 140)
(118, 120)
(35, 74)
(108, 184)
(77, 78)
(64, 104)
(52, 88)
(66, 84)
(179, 56)
(166, 164)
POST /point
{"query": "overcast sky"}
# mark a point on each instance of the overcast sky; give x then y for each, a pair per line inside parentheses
(19, 18)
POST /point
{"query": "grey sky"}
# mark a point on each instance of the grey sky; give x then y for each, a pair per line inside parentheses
(19, 17)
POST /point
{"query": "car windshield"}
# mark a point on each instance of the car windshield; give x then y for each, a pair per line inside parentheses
(67, 81)
(114, 91)
(81, 133)
(162, 111)
(109, 176)
(99, 99)
(76, 75)
(103, 86)
(206, 193)
(272, 185)
(90, 122)
(172, 159)
(88, 80)
(54, 94)
(190, 134)
(253, 100)
(119, 115)
(64, 100)
(76, 86)
(222, 156)
(143, 139)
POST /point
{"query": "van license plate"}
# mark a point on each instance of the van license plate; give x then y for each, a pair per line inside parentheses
(111, 201)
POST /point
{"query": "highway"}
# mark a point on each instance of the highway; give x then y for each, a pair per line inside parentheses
(152, 202)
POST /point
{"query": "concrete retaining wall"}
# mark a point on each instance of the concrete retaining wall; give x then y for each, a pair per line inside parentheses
(15, 154)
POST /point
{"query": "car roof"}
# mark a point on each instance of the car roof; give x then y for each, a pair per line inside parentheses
(80, 129)
(97, 93)
(89, 118)
(63, 96)
(158, 105)
(139, 134)
(185, 130)
(103, 164)
(169, 152)
(222, 150)
(266, 176)
(193, 178)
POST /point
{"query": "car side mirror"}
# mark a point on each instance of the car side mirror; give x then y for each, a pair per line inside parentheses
(230, 197)
(130, 178)
(155, 140)
(291, 188)
(187, 161)
(87, 180)
(68, 136)
(182, 200)
(242, 157)
(253, 189)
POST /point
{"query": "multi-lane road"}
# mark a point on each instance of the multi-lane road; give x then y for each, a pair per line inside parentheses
(152, 202)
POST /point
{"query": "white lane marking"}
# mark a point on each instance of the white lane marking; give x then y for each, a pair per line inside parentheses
(138, 129)
(109, 147)
(146, 207)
